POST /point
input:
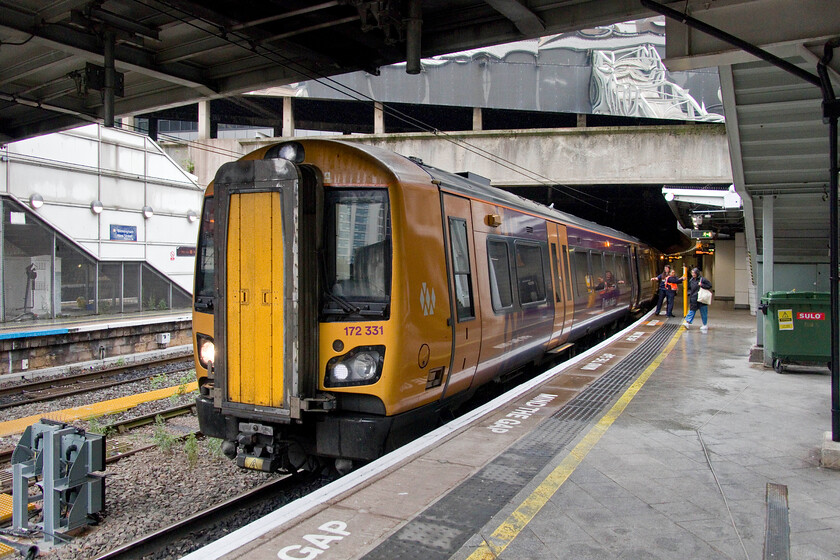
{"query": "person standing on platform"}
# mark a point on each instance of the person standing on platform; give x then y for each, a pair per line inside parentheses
(671, 285)
(666, 272)
(694, 284)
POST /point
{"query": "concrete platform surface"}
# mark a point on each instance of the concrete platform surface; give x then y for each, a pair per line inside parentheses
(683, 472)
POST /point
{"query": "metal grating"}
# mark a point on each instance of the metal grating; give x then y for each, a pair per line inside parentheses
(777, 532)
(465, 510)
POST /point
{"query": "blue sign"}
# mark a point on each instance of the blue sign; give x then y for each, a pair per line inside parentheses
(123, 233)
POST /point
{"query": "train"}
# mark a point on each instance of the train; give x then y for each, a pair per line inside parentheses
(348, 298)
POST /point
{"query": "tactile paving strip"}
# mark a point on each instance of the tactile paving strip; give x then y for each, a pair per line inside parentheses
(443, 528)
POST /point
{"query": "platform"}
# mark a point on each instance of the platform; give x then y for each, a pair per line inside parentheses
(55, 345)
(676, 447)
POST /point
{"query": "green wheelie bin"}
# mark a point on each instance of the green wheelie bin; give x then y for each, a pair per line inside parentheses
(797, 328)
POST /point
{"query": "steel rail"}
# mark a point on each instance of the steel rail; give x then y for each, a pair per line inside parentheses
(156, 542)
(77, 382)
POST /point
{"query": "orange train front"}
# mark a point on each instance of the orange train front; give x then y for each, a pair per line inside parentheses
(347, 298)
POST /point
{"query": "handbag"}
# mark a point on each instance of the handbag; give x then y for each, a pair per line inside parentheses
(704, 296)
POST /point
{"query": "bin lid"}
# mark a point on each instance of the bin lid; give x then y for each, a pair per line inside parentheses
(792, 297)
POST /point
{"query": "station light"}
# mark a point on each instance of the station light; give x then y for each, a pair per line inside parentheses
(148, 212)
(192, 216)
(36, 201)
(96, 207)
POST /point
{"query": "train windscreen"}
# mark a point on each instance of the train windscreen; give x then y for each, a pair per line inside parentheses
(357, 252)
(205, 259)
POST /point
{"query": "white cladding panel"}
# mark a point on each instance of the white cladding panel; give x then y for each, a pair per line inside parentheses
(171, 200)
(74, 222)
(123, 194)
(122, 159)
(172, 229)
(78, 147)
(115, 251)
(54, 184)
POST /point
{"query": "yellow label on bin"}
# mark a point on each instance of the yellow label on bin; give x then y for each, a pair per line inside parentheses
(785, 319)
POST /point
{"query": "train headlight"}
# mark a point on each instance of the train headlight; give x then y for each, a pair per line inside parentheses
(206, 350)
(364, 365)
(340, 372)
(360, 366)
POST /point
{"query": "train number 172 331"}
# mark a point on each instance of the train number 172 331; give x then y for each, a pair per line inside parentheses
(367, 330)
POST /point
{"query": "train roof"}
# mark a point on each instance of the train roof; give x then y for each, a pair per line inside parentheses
(404, 167)
(477, 188)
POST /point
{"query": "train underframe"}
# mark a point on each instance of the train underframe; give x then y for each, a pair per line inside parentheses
(338, 439)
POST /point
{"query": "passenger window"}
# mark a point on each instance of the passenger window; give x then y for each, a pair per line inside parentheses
(501, 294)
(529, 273)
(580, 264)
(558, 280)
(596, 281)
(461, 269)
(622, 265)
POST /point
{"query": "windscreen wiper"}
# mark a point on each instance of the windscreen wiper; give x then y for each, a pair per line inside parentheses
(343, 303)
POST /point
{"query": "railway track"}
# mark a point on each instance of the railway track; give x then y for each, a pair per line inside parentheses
(212, 522)
(114, 452)
(38, 391)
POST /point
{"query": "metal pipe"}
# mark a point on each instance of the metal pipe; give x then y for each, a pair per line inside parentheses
(732, 40)
(831, 109)
(110, 77)
(414, 25)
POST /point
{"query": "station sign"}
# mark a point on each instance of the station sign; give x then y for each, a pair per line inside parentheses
(123, 233)
(702, 234)
(185, 251)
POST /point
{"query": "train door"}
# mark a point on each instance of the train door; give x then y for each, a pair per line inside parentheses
(636, 297)
(563, 301)
(464, 317)
(260, 329)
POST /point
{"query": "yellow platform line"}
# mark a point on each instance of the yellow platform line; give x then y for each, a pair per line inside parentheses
(499, 540)
(96, 409)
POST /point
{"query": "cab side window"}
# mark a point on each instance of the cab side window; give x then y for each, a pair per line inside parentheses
(462, 274)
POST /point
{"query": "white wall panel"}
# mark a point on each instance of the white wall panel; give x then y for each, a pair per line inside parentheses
(54, 184)
(122, 251)
(169, 200)
(78, 148)
(124, 138)
(123, 159)
(75, 222)
(124, 194)
(172, 229)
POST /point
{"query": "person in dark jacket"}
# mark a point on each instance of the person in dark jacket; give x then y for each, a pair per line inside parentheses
(666, 272)
(694, 284)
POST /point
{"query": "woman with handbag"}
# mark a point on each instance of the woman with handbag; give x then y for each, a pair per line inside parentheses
(699, 298)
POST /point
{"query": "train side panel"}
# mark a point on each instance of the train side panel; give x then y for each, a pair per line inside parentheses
(514, 285)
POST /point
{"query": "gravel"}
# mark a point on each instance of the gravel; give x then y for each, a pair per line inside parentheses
(163, 379)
